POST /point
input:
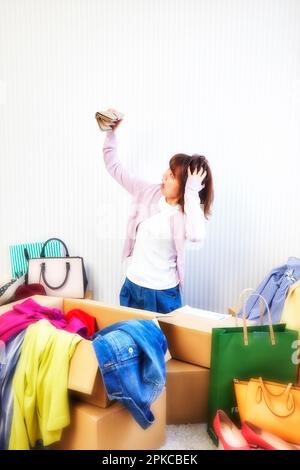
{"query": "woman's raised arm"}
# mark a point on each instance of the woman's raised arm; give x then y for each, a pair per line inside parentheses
(114, 167)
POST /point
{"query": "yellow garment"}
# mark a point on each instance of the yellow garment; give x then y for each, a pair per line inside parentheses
(40, 394)
(291, 309)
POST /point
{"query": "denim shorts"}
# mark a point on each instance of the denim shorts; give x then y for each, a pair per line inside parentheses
(160, 301)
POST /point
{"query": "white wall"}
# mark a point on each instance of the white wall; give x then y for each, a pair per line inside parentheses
(217, 77)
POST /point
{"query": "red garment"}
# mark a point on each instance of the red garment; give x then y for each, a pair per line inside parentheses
(27, 290)
(88, 320)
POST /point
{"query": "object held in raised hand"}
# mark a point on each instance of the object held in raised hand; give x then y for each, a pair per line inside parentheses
(107, 119)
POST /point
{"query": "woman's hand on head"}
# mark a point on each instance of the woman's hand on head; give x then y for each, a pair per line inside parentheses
(198, 176)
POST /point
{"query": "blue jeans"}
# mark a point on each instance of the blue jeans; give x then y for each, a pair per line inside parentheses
(131, 358)
(160, 301)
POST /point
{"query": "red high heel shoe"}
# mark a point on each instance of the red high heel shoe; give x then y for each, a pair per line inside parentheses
(257, 437)
(229, 435)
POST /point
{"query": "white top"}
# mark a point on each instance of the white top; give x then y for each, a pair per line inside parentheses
(153, 261)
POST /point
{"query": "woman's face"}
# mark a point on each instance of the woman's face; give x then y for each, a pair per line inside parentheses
(170, 185)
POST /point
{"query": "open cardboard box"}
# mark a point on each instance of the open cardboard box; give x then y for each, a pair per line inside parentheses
(189, 338)
(84, 374)
(94, 418)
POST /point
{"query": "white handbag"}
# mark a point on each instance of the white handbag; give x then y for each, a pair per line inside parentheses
(60, 276)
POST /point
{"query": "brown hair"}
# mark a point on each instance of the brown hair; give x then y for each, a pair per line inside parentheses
(179, 165)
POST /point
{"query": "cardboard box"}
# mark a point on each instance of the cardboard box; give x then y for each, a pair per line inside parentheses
(106, 314)
(187, 393)
(113, 428)
(84, 369)
(48, 301)
(189, 335)
(81, 377)
(98, 395)
(41, 299)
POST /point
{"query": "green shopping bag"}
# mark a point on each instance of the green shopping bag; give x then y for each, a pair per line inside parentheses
(243, 353)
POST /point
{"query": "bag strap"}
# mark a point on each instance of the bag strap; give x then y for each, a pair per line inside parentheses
(43, 270)
(261, 312)
(248, 289)
(255, 293)
(286, 395)
(42, 255)
(261, 309)
(26, 254)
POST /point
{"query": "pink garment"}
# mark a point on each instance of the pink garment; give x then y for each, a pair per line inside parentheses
(188, 225)
(29, 311)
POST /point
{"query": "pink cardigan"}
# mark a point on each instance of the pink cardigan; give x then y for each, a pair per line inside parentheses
(187, 225)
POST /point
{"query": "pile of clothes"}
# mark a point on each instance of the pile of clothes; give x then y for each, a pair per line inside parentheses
(36, 346)
(37, 343)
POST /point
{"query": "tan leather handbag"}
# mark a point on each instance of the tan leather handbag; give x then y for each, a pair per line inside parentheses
(272, 406)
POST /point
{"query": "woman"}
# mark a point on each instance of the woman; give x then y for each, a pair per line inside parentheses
(162, 218)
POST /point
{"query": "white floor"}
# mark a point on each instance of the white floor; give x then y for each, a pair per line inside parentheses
(188, 437)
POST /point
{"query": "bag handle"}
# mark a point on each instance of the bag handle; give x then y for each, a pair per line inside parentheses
(287, 397)
(246, 342)
(43, 270)
(261, 310)
(42, 255)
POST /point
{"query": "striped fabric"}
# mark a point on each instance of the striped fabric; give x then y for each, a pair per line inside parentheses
(17, 259)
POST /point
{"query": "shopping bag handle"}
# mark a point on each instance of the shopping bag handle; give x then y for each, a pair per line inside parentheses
(255, 293)
(287, 400)
(261, 310)
(42, 255)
